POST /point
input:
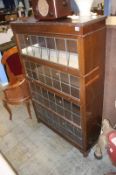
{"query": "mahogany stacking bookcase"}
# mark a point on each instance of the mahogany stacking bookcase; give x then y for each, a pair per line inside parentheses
(64, 63)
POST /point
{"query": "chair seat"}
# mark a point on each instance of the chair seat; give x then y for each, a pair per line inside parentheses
(17, 93)
(16, 101)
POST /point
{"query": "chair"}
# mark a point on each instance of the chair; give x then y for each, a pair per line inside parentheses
(18, 90)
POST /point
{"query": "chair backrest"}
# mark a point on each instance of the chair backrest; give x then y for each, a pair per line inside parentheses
(13, 64)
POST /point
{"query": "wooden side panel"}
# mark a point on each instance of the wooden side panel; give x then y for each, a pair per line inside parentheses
(93, 109)
(92, 51)
(92, 64)
(109, 111)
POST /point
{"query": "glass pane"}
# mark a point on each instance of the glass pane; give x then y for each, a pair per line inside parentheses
(51, 97)
(47, 71)
(75, 109)
(29, 46)
(64, 77)
(52, 106)
(56, 84)
(46, 102)
(27, 64)
(33, 40)
(44, 53)
(60, 44)
(74, 81)
(40, 69)
(67, 105)
(72, 46)
(73, 60)
(30, 51)
(36, 52)
(44, 92)
(41, 42)
(50, 43)
(60, 110)
(24, 51)
(48, 81)
(68, 115)
(61, 48)
(59, 100)
(39, 91)
(75, 92)
(76, 118)
(32, 66)
(41, 78)
(55, 74)
(27, 40)
(34, 75)
(65, 88)
(53, 55)
(62, 58)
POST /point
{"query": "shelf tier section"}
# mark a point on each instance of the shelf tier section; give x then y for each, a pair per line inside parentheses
(63, 82)
(58, 123)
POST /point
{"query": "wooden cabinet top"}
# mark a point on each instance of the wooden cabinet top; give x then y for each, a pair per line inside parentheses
(61, 26)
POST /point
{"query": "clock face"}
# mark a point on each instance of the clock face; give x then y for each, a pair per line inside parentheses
(43, 7)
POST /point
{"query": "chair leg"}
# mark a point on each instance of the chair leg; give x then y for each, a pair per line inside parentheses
(28, 108)
(7, 108)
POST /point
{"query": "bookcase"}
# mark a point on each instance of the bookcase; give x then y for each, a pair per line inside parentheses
(64, 63)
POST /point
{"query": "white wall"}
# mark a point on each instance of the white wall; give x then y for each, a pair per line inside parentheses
(113, 6)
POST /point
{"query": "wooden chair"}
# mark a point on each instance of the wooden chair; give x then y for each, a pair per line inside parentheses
(18, 90)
